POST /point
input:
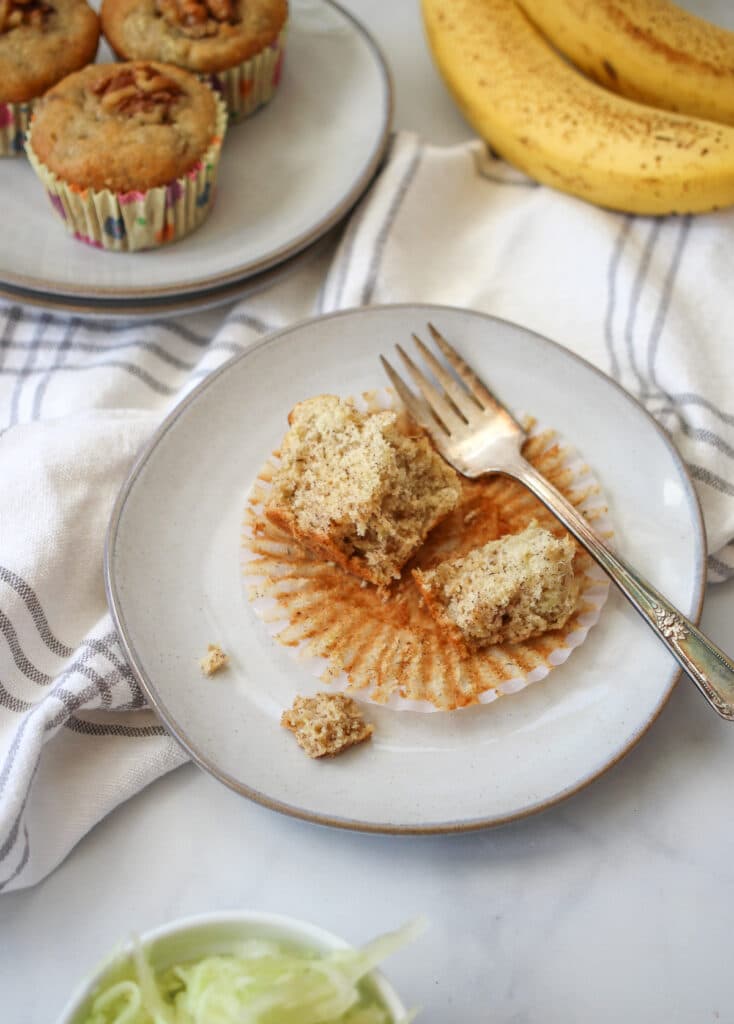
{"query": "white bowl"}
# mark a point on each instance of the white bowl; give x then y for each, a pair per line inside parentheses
(190, 938)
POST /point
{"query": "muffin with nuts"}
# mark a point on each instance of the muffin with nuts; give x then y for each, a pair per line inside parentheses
(236, 45)
(41, 41)
(128, 153)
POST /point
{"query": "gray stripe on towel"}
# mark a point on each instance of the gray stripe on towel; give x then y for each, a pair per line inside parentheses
(384, 232)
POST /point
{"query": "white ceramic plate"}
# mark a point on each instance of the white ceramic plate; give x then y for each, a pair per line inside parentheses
(156, 309)
(174, 586)
(287, 175)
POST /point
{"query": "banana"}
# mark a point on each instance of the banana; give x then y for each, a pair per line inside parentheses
(647, 50)
(545, 117)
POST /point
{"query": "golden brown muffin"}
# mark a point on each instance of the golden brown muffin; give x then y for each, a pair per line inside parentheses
(41, 41)
(124, 127)
(128, 152)
(237, 44)
(356, 489)
(509, 590)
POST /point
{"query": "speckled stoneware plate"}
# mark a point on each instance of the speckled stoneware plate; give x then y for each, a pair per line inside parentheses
(174, 585)
(156, 309)
(287, 175)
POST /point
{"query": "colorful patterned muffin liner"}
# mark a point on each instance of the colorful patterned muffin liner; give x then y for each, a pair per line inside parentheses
(130, 221)
(14, 121)
(248, 86)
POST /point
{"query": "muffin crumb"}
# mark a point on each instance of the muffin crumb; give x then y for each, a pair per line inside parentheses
(326, 724)
(214, 661)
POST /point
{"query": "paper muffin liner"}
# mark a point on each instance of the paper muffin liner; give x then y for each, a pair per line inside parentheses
(382, 645)
(248, 86)
(131, 221)
(14, 121)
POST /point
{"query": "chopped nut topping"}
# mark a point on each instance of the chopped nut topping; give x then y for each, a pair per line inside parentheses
(14, 13)
(140, 90)
(198, 18)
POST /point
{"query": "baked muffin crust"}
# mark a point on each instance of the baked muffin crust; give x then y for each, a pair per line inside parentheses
(124, 127)
(41, 41)
(202, 35)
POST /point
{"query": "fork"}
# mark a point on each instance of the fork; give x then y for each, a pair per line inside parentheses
(476, 434)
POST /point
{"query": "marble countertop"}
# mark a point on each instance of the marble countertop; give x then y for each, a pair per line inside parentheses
(613, 906)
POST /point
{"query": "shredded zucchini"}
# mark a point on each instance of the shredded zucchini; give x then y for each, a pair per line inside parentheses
(260, 982)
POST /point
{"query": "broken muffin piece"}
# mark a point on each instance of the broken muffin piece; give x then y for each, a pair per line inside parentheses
(509, 590)
(353, 487)
(326, 724)
(214, 661)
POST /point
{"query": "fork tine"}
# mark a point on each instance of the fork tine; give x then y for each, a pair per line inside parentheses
(417, 409)
(481, 393)
(436, 402)
(464, 400)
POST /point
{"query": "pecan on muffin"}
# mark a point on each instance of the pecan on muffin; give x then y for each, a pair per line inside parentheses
(236, 45)
(41, 41)
(128, 153)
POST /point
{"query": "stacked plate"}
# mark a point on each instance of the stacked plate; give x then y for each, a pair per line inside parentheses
(288, 176)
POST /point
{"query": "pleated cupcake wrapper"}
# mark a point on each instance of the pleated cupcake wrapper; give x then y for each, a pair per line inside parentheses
(131, 221)
(14, 121)
(246, 87)
(383, 647)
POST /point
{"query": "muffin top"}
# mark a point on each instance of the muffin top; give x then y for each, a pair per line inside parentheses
(125, 127)
(40, 42)
(202, 35)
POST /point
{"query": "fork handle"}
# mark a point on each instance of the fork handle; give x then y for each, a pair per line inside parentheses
(709, 668)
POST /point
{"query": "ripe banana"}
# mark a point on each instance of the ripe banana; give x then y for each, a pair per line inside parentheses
(548, 119)
(648, 50)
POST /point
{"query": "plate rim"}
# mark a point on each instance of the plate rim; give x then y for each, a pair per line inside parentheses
(353, 824)
(152, 309)
(243, 272)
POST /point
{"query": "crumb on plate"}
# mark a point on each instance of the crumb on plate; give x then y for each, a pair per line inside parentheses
(215, 660)
(326, 724)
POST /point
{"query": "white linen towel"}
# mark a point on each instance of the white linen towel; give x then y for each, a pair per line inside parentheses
(649, 301)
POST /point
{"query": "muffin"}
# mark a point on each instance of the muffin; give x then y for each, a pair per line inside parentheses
(236, 45)
(41, 41)
(507, 591)
(354, 488)
(128, 153)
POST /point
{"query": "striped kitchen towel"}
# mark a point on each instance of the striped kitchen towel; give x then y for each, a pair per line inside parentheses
(646, 300)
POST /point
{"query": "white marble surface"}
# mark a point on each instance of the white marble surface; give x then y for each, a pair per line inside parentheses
(614, 906)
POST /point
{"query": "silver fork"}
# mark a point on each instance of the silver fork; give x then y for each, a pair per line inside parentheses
(477, 435)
